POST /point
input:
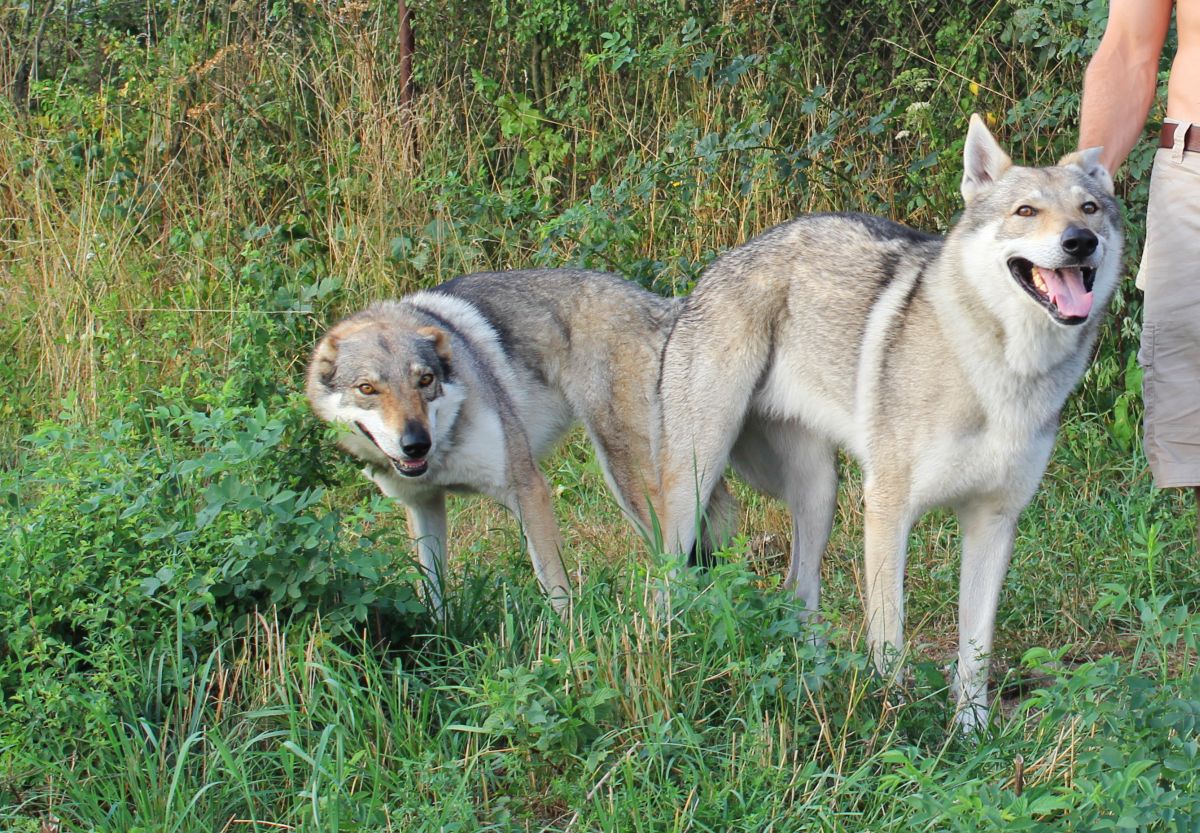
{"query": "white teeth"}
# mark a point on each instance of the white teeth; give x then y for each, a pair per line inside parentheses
(1038, 282)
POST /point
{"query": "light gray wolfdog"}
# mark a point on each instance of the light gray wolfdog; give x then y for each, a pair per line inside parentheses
(465, 387)
(940, 364)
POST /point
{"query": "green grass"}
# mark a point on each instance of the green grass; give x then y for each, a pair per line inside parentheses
(718, 712)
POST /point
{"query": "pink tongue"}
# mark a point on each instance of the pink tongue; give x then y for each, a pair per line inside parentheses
(1065, 289)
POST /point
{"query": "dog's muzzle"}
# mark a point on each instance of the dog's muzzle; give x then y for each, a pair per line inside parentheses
(409, 467)
(414, 444)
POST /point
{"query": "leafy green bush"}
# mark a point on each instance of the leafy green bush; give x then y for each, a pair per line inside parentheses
(171, 529)
(644, 138)
(191, 509)
(621, 719)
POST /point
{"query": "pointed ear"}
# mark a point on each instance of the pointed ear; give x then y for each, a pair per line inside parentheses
(1088, 161)
(441, 341)
(984, 161)
(321, 368)
(323, 364)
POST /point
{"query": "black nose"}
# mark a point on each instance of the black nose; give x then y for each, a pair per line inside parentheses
(1079, 242)
(415, 441)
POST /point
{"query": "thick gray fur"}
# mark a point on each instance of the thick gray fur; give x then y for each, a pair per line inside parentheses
(527, 355)
(921, 356)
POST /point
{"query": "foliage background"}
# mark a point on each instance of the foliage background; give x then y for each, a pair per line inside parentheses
(207, 622)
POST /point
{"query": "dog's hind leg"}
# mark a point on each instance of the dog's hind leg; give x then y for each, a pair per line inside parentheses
(812, 497)
(785, 460)
(625, 463)
(987, 549)
(625, 453)
(427, 527)
(718, 526)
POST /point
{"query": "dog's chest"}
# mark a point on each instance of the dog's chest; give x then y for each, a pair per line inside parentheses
(1000, 460)
(477, 456)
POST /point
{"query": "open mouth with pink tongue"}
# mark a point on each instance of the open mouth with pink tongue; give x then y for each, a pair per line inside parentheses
(1065, 293)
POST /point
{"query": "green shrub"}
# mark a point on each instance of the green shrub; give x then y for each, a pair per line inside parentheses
(174, 530)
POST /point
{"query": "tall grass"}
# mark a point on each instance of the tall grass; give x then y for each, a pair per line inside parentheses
(647, 142)
(724, 715)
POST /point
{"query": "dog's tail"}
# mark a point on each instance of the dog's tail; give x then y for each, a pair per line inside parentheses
(717, 355)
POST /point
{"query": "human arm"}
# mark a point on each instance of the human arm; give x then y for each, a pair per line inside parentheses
(1118, 87)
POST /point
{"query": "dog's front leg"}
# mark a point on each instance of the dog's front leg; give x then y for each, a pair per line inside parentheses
(427, 527)
(885, 545)
(529, 500)
(987, 549)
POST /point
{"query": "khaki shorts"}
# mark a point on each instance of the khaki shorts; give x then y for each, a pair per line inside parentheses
(1170, 353)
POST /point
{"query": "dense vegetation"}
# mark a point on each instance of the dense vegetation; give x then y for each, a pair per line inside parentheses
(207, 620)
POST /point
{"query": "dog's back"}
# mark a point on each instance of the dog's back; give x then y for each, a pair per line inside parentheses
(597, 338)
(579, 330)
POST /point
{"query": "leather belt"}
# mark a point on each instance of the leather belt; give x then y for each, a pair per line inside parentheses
(1191, 142)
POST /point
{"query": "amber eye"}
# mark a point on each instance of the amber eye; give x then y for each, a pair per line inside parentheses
(1089, 208)
(1026, 211)
(425, 381)
(366, 389)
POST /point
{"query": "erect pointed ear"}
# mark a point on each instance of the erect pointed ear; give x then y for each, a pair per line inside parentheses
(1088, 161)
(441, 341)
(984, 161)
(321, 368)
(323, 364)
